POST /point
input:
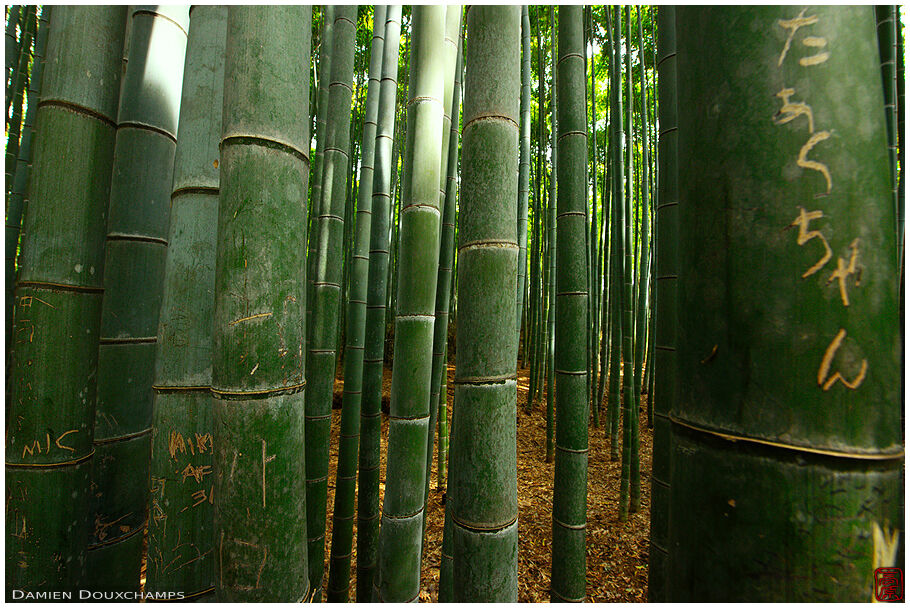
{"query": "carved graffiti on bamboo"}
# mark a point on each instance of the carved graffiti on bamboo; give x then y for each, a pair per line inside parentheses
(39, 446)
(199, 444)
(826, 379)
(241, 569)
(805, 235)
(811, 42)
(790, 110)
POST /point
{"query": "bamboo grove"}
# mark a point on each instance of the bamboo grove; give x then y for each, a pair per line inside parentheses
(685, 217)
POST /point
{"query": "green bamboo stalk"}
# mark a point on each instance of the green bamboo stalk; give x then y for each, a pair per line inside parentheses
(374, 335)
(345, 481)
(524, 165)
(258, 361)
(596, 229)
(485, 515)
(627, 296)
(791, 358)
(886, 31)
(531, 337)
(13, 16)
(446, 235)
(551, 252)
(326, 288)
(20, 49)
(18, 89)
(314, 208)
(617, 235)
(899, 77)
(570, 477)
(398, 567)
(49, 452)
(666, 288)
(17, 197)
(135, 255)
(181, 537)
(644, 275)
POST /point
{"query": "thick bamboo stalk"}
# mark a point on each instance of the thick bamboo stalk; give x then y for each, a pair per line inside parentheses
(484, 471)
(795, 359)
(374, 336)
(666, 290)
(398, 567)
(135, 255)
(181, 550)
(258, 356)
(570, 477)
(49, 451)
(349, 438)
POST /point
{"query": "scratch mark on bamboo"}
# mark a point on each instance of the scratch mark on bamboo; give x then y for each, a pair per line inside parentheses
(261, 315)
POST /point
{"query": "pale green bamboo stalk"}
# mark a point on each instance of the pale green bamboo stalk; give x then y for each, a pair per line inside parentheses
(398, 573)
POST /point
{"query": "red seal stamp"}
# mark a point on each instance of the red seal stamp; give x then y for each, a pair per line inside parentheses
(889, 585)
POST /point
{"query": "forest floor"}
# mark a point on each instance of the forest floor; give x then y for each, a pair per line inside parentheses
(617, 552)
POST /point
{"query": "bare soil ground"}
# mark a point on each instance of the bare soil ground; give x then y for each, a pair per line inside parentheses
(617, 552)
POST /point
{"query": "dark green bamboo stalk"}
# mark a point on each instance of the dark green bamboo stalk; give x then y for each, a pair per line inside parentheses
(551, 252)
(398, 567)
(326, 291)
(532, 340)
(666, 287)
(135, 255)
(258, 356)
(18, 89)
(17, 198)
(629, 407)
(374, 336)
(485, 515)
(791, 359)
(345, 481)
(596, 231)
(644, 276)
(181, 550)
(314, 208)
(570, 478)
(49, 451)
(617, 234)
